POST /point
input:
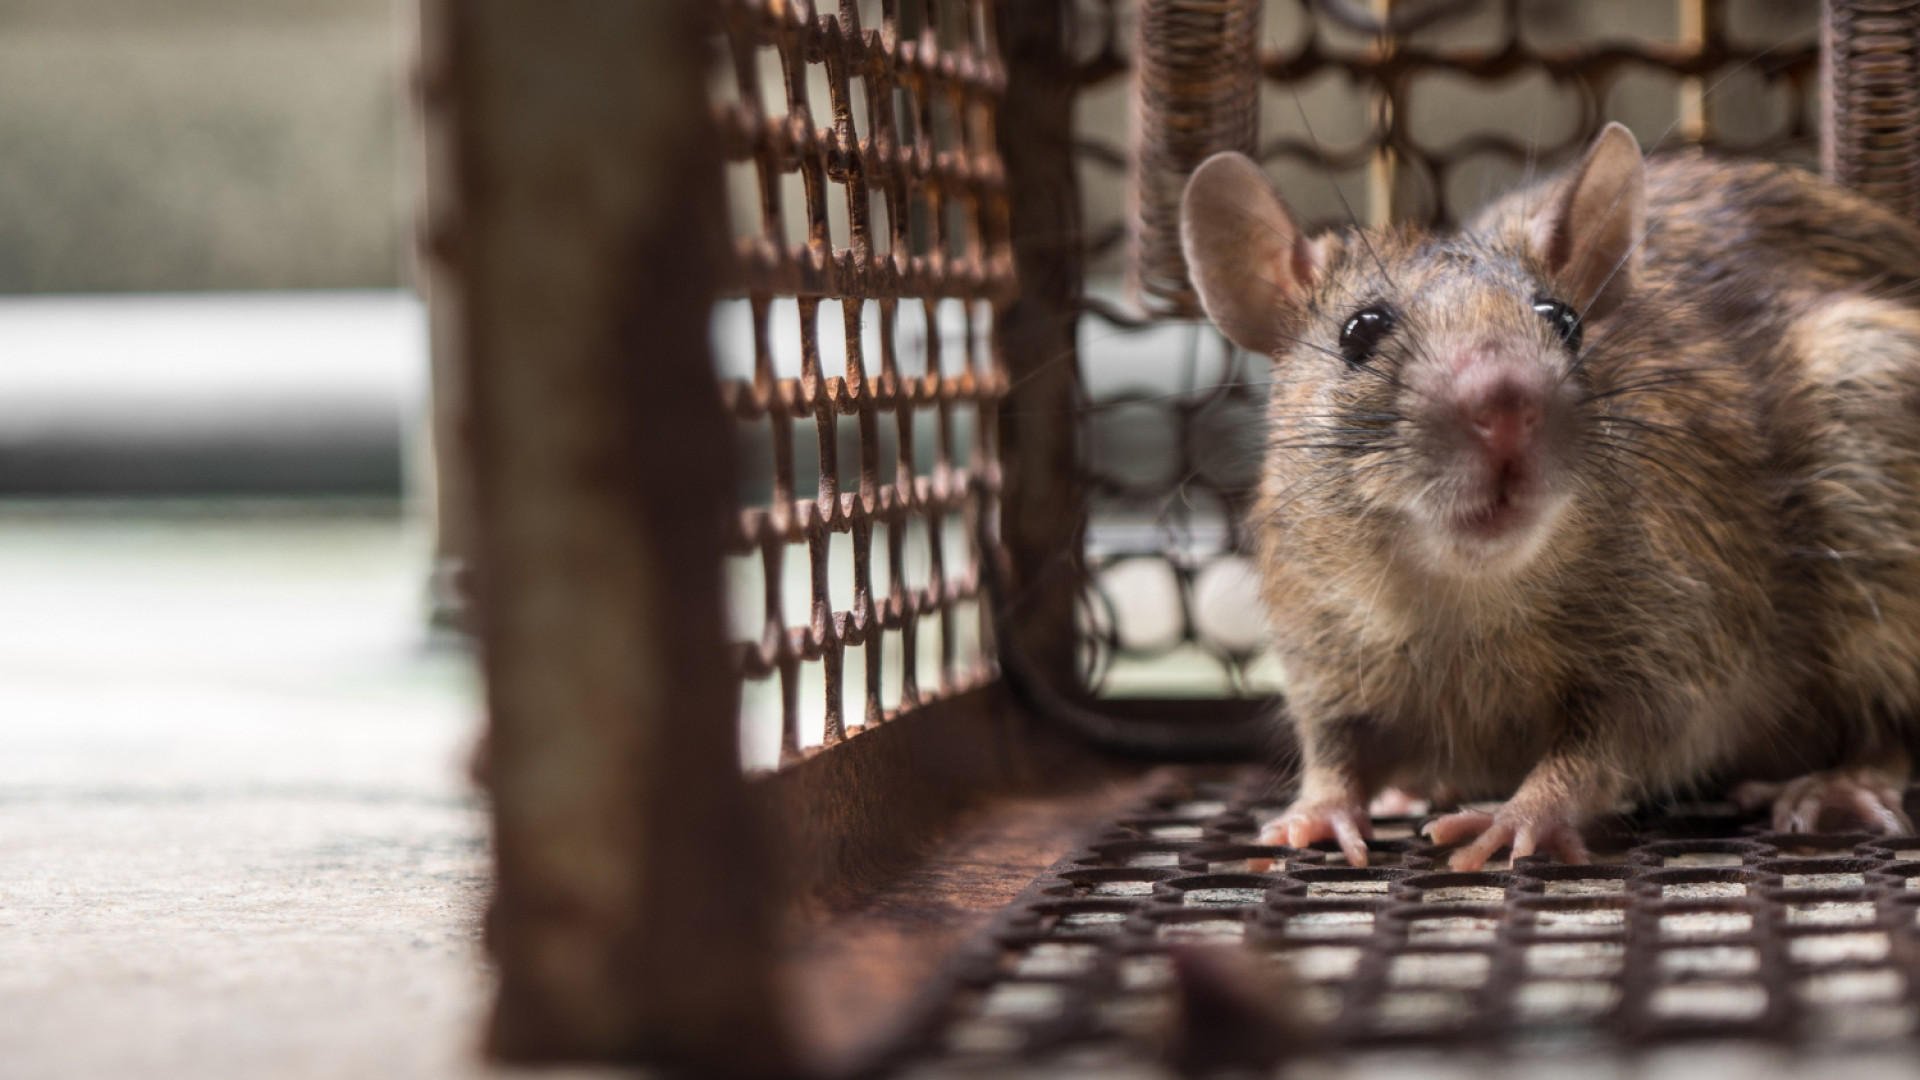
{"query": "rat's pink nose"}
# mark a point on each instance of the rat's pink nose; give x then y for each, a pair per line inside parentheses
(1504, 418)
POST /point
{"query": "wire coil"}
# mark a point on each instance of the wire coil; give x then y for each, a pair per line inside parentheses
(1871, 139)
(1196, 92)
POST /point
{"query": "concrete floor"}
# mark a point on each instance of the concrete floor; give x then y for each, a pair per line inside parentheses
(235, 834)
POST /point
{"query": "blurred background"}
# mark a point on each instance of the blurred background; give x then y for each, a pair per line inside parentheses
(202, 250)
(201, 144)
(236, 836)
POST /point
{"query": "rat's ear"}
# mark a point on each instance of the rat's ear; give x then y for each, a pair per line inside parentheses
(1589, 236)
(1247, 259)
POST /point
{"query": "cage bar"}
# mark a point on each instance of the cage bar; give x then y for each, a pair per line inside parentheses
(578, 190)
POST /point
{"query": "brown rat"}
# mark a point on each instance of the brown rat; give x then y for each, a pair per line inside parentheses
(1613, 494)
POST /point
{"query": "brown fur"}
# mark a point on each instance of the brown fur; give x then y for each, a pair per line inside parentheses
(1733, 586)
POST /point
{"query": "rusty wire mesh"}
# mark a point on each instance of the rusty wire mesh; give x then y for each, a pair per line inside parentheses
(1693, 922)
(870, 235)
(1418, 119)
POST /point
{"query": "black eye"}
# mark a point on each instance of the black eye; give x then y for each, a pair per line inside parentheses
(1365, 329)
(1564, 320)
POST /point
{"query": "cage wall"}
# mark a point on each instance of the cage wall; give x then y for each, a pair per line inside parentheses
(857, 352)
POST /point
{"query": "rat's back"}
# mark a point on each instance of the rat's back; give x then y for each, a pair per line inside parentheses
(1756, 246)
(1819, 288)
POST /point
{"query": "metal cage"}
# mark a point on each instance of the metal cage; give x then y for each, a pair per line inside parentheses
(843, 310)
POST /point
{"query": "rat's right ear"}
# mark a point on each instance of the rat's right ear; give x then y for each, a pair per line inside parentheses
(1247, 259)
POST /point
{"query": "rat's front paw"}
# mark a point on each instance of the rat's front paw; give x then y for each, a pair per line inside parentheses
(1340, 818)
(1863, 794)
(1525, 829)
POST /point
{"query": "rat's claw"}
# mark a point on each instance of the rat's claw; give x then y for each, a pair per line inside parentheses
(1799, 815)
(1524, 832)
(1864, 794)
(1561, 841)
(1453, 828)
(1345, 823)
(1871, 808)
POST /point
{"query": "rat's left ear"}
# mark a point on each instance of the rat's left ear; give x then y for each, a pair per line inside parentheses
(1590, 234)
(1248, 260)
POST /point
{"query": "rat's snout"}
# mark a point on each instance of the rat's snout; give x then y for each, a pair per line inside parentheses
(1499, 405)
(1491, 415)
(1505, 419)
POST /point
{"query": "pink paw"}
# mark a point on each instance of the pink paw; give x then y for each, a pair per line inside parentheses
(1865, 795)
(1525, 831)
(1339, 819)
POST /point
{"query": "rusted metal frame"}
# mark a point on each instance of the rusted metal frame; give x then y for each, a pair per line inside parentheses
(927, 130)
(995, 239)
(850, 169)
(858, 816)
(900, 219)
(450, 587)
(1870, 140)
(627, 922)
(1044, 501)
(822, 636)
(970, 130)
(904, 842)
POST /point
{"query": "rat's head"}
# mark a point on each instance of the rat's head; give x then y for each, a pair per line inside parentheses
(1425, 387)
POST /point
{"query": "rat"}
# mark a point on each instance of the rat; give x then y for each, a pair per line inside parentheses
(1611, 495)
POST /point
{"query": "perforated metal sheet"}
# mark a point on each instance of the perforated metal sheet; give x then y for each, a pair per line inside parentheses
(1694, 923)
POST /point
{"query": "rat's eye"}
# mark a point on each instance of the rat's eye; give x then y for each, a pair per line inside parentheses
(1361, 337)
(1564, 320)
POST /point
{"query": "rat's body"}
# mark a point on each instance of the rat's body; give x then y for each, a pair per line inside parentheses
(1613, 494)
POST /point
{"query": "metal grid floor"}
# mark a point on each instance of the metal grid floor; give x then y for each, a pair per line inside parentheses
(1694, 922)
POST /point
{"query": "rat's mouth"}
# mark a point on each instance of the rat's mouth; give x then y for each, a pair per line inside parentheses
(1506, 508)
(1497, 529)
(1494, 519)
